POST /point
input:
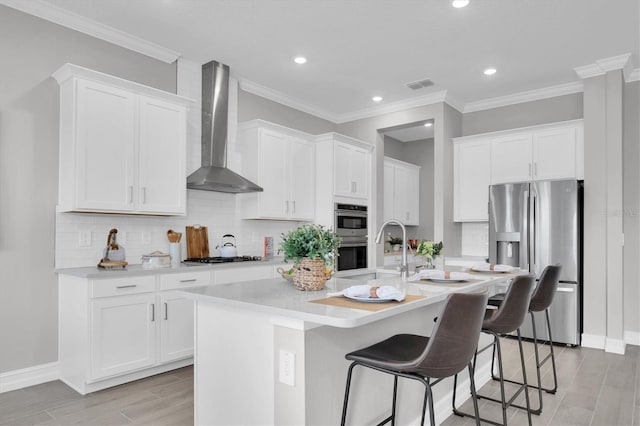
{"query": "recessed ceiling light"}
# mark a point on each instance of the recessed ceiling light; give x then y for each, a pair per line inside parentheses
(428, 124)
(490, 71)
(300, 60)
(459, 3)
(376, 98)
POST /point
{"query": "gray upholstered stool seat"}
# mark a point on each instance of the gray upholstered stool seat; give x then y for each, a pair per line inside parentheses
(506, 319)
(541, 300)
(428, 360)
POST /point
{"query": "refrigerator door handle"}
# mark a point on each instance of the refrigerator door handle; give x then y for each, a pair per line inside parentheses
(524, 240)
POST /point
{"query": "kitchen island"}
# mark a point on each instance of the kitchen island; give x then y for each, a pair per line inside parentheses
(267, 353)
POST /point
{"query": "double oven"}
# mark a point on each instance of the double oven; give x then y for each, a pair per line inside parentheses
(351, 225)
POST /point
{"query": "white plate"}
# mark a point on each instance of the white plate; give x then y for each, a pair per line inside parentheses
(369, 299)
(435, 280)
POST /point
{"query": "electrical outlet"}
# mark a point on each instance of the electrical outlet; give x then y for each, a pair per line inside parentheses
(287, 361)
(84, 238)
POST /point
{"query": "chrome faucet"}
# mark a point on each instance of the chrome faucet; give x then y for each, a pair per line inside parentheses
(404, 265)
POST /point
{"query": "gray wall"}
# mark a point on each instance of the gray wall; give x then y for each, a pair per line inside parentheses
(251, 107)
(550, 110)
(631, 183)
(33, 49)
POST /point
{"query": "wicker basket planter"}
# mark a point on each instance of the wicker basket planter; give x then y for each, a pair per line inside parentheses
(310, 275)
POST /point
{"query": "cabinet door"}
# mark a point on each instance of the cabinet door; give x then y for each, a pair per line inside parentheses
(472, 177)
(176, 326)
(402, 194)
(273, 177)
(511, 158)
(554, 154)
(413, 197)
(105, 141)
(389, 191)
(359, 166)
(162, 146)
(123, 334)
(301, 179)
(342, 183)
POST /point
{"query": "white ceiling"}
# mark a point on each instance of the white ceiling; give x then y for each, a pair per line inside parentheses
(360, 48)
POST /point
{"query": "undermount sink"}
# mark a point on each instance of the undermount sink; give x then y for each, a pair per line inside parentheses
(376, 275)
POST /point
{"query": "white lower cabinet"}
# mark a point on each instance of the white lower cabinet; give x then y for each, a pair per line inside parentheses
(115, 330)
(176, 326)
(123, 334)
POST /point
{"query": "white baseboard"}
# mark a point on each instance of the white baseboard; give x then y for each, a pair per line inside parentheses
(17, 379)
(632, 338)
(615, 346)
(593, 341)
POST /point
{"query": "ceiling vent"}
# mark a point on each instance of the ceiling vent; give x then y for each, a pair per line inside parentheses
(419, 84)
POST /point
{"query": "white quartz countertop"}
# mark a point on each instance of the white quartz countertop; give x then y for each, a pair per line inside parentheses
(280, 298)
(137, 270)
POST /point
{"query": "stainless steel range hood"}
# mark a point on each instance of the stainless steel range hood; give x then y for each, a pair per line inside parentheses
(214, 175)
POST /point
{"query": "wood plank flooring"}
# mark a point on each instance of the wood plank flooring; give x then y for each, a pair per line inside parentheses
(595, 388)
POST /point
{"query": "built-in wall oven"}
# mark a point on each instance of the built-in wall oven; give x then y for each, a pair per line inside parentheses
(351, 225)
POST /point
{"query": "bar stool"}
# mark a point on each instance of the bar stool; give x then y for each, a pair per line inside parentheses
(540, 301)
(449, 349)
(506, 319)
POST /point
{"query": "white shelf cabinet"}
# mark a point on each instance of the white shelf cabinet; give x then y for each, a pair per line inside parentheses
(351, 165)
(545, 152)
(122, 145)
(282, 162)
(114, 330)
(471, 180)
(401, 191)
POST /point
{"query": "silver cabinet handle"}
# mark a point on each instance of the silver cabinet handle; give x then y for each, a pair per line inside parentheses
(127, 286)
(143, 190)
(131, 194)
(153, 312)
(166, 311)
(192, 280)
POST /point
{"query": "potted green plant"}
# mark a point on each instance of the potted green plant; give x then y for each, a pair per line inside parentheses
(430, 250)
(311, 247)
(395, 243)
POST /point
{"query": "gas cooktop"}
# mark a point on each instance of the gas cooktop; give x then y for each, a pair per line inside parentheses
(219, 259)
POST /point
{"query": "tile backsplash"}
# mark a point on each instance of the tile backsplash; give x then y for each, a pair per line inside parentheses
(82, 237)
(475, 239)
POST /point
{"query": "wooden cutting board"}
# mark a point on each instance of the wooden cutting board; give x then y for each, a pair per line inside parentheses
(197, 242)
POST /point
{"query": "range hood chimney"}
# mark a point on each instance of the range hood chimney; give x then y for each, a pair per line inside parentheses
(214, 175)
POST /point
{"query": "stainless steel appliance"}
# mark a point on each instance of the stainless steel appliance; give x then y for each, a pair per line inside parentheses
(350, 224)
(532, 225)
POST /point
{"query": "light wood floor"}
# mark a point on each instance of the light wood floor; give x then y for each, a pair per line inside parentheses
(596, 388)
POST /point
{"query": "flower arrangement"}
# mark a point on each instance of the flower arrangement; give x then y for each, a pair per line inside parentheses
(310, 241)
(395, 240)
(429, 249)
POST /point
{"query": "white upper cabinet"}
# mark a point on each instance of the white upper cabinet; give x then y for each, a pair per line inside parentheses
(471, 180)
(401, 191)
(282, 162)
(550, 151)
(351, 165)
(122, 145)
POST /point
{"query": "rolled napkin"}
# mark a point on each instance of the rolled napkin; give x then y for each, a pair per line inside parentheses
(490, 267)
(373, 292)
(436, 274)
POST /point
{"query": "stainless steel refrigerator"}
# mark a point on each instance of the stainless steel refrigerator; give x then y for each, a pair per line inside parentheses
(532, 225)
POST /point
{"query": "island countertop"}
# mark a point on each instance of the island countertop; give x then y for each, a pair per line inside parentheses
(279, 298)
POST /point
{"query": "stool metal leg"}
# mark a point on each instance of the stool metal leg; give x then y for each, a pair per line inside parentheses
(524, 378)
(393, 407)
(346, 394)
(553, 358)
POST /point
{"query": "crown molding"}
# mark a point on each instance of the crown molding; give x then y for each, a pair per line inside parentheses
(602, 66)
(528, 96)
(92, 28)
(633, 76)
(432, 98)
(281, 98)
